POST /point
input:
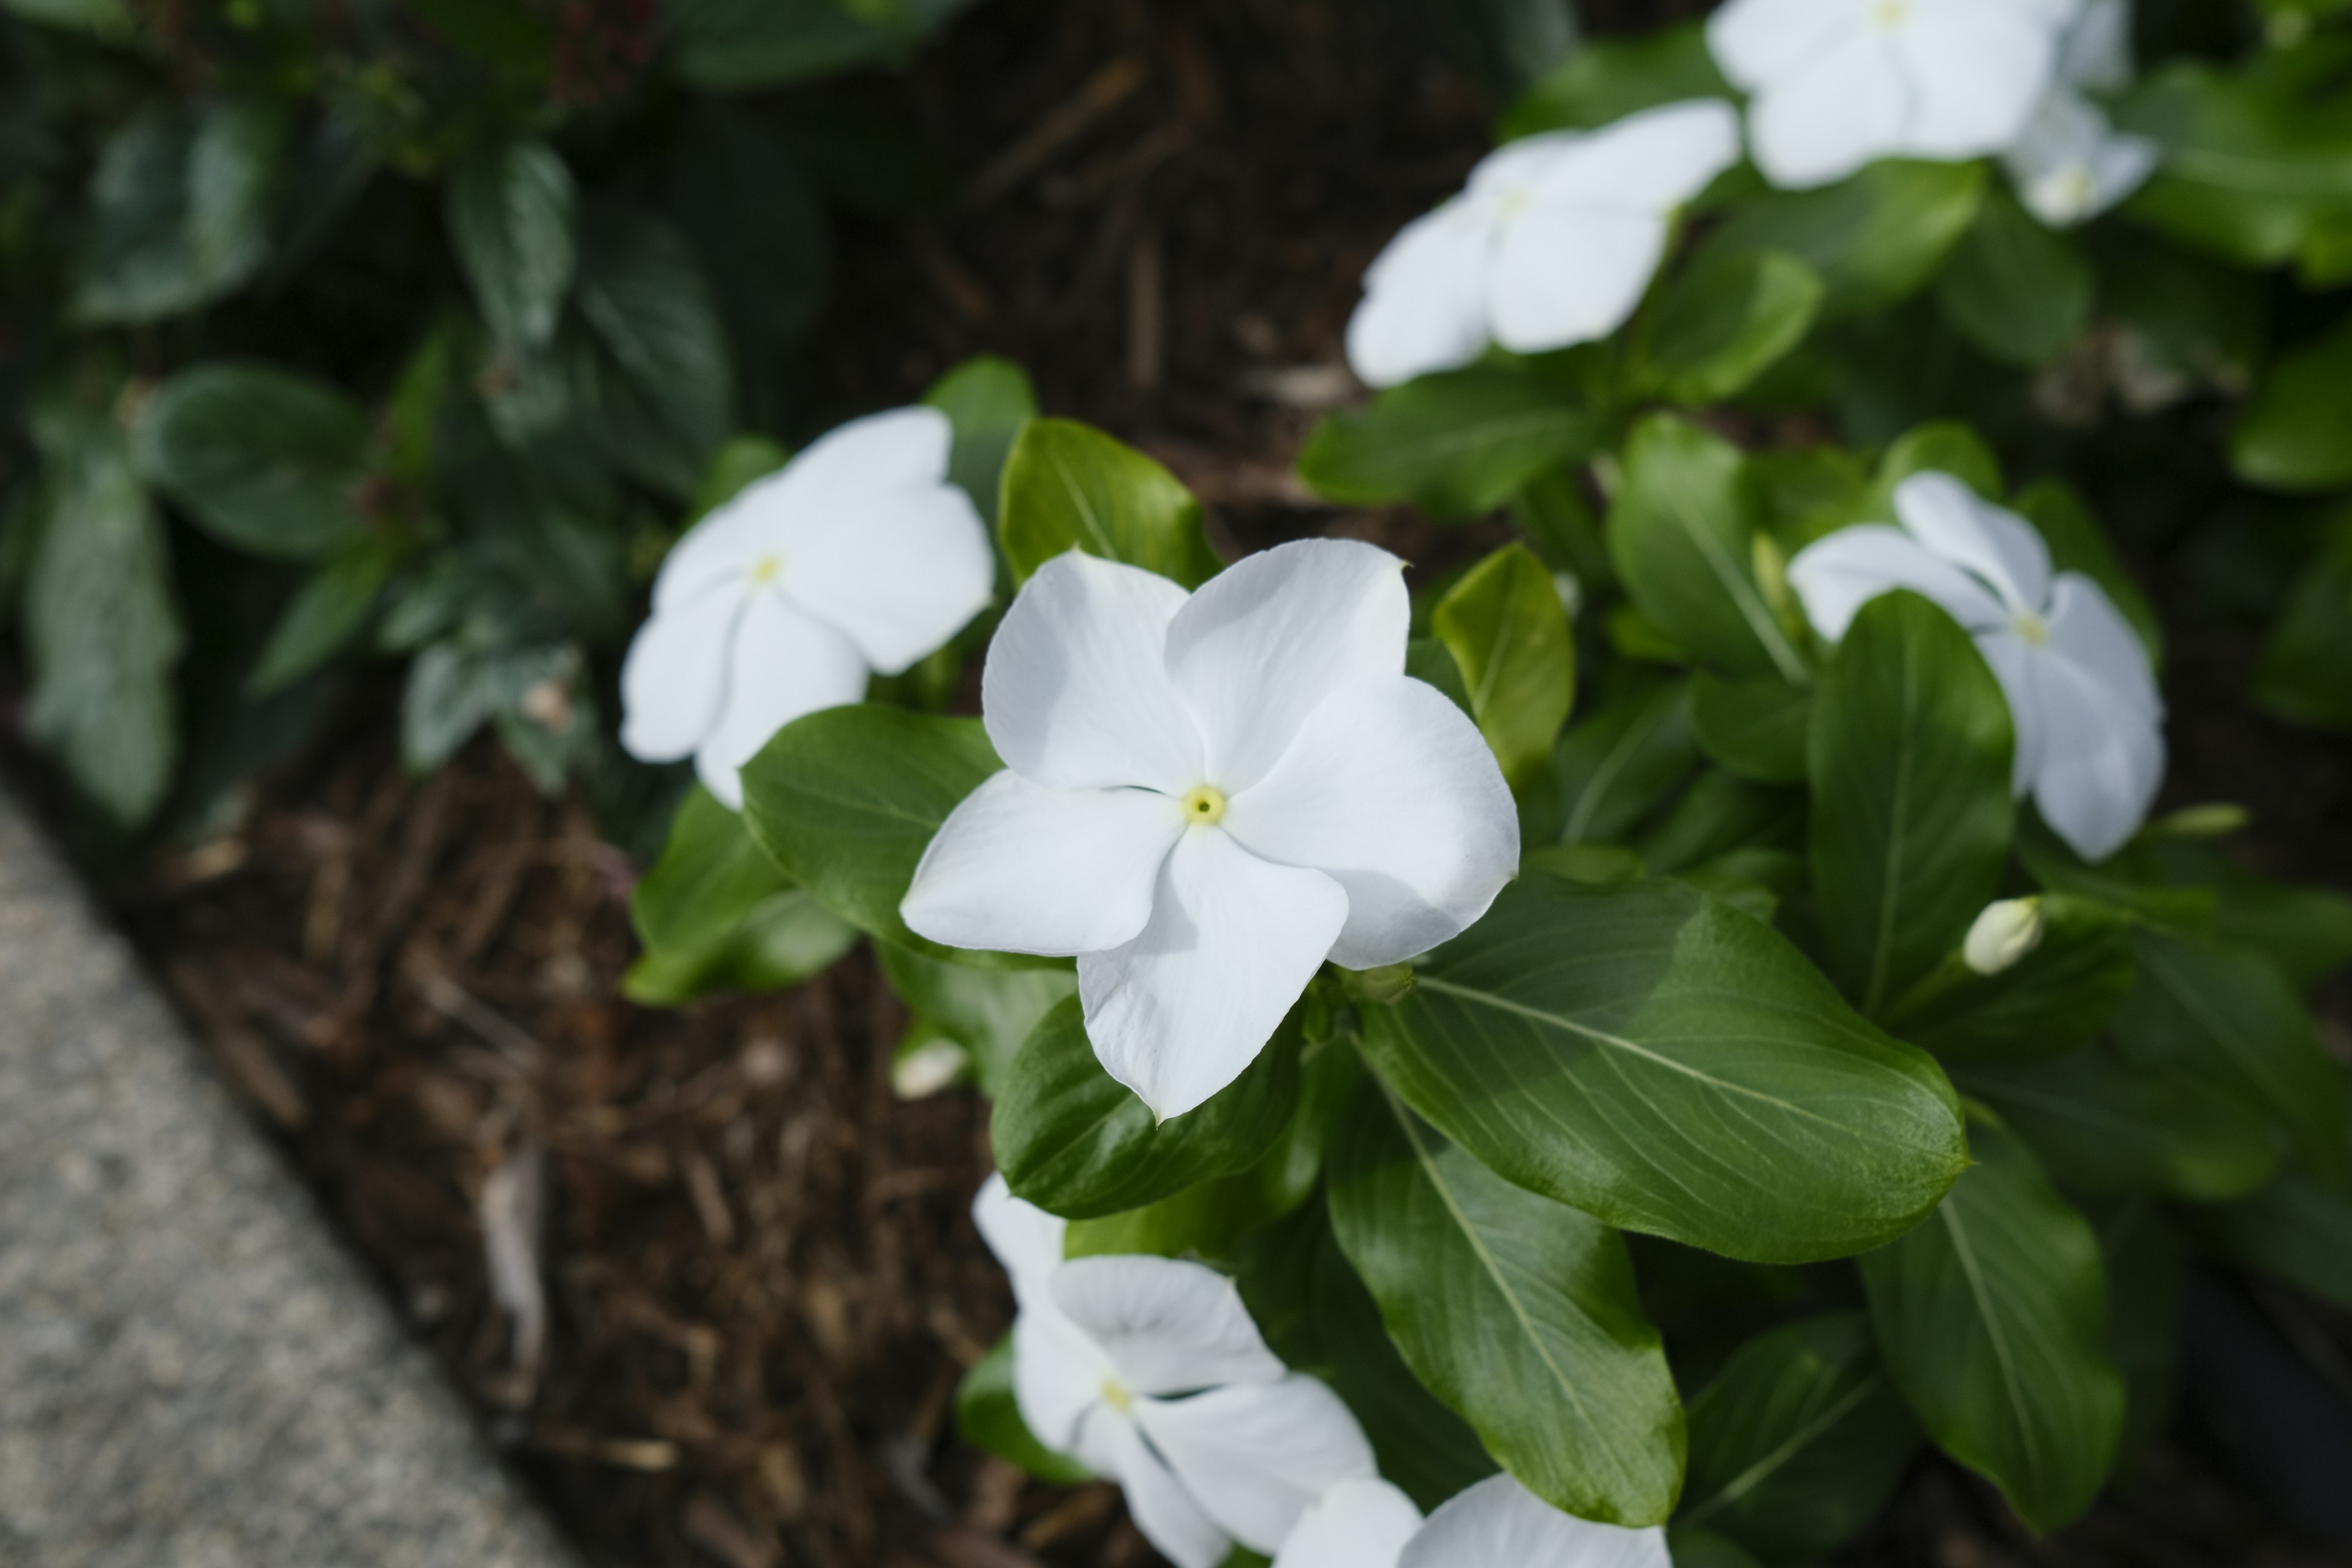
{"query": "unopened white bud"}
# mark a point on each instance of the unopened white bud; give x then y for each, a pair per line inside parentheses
(927, 1069)
(2004, 933)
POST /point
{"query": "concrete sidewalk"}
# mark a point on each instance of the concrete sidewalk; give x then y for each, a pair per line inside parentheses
(192, 1372)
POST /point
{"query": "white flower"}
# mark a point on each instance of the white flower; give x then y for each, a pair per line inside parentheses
(2090, 741)
(2003, 934)
(1836, 84)
(1553, 243)
(1208, 795)
(2071, 164)
(856, 557)
(1498, 1523)
(1149, 1371)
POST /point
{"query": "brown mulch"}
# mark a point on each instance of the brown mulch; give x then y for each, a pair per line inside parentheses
(756, 1282)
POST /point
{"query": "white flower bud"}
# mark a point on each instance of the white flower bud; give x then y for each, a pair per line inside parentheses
(927, 1069)
(2004, 933)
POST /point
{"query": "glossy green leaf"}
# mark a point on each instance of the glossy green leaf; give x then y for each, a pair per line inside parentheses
(988, 1417)
(1519, 1312)
(1457, 444)
(2232, 1017)
(730, 46)
(2306, 670)
(2249, 172)
(1509, 636)
(1074, 1141)
(1670, 1065)
(1875, 239)
(1069, 487)
(1757, 728)
(1724, 321)
(1682, 533)
(2103, 1125)
(2018, 289)
(1991, 1318)
(987, 1012)
(325, 615)
(1621, 763)
(1798, 1441)
(2297, 433)
(1605, 80)
(266, 460)
(511, 209)
(847, 799)
(2056, 998)
(180, 209)
(1912, 813)
(990, 402)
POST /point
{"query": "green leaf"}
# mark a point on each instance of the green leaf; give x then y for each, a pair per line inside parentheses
(1519, 1312)
(1992, 1320)
(1605, 80)
(988, 1417)
(987, 1012)
(1724, 321)
(1756, 729)
(107, 18)
(266, 460)
(1912, 812)
(179, 208)
(2145, 1254)
(102, 629)
(1069, 487)
(1430, 661)
(1690, 1547)
(990, 402)
(2056, 998)
(2118, 881)
(1669, 1065)
(2299, 1229)
(1875, 239)
(2231, 1017)
(1075, 1142)
(1619, 765)
(846, 800)
(511, 209)
(1509, 634)
(2248, 172)
(1798, 1441)
(2016, 288)
(1718, 814)
(711, 874)
(1682, 533)
(456, 686)
(2306, 670)
(325, 615)
(1457, 444)
(2101, 1125)
(729, 46)
(653, 369)
(2297, 433)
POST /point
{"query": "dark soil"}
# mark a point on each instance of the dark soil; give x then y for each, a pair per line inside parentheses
(762, 1283)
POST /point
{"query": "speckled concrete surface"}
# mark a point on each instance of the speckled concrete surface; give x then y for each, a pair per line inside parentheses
(192, 1373)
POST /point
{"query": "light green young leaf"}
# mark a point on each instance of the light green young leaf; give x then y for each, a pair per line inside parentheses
(1875, 239)
(1724, 321)
(511, 209)
(180, 210)
(990, 402)
(1069, 486)
(1757, 729)
(1798, 1441)
(1912, 813)
(2103, 1125)
(2297, 433)
(2016, 288)
(1519, 1312)
(1457, 444)
(1992, 1319)
(1508, 633)
(268, 460)
(1669, 1065)
(325, 615)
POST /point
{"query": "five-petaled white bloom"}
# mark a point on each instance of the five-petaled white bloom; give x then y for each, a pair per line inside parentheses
(856, 557)
(1208, 795)
(1553, 243)
(1149, 1371)
(1836, 84)
(1498, 1523)
(2089, 720)
(2071, 164)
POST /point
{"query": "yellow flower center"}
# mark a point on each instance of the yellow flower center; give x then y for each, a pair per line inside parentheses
(1891, 13)
(766, 570)
(2032, 628)
(1115, 1395)
(1204, 806)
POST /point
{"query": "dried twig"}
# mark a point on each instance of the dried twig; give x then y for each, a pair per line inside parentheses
(1067, 120)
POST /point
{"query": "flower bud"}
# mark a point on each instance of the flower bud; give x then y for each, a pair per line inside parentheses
(2004, 933)
(927, 1069)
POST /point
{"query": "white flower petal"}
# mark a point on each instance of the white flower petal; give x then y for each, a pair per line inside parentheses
(1170, 1518)
(901, 449)
(785, 665)
(1835, 577)
(1423, 308)
(1025, 1239)
(1981, 69)
(1498, 1523)
(1059, 1376)
(899, 573)
(1177, 1013)
(2103, 757)
(1571, 274)
(1257, 1455)
(1998, 546)
(720, 548)
(1018, 867)
(1518, 169)
(1757, 42)
(2086, 629)
(1831, 116)
(2011, 659)
(2096, 55)
(1356, 1524)
(1651, 162)
(1166, 1325)
(1390, 791)
(1269, 637)
(1076, 692)
(675, 676)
